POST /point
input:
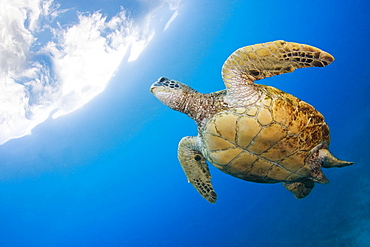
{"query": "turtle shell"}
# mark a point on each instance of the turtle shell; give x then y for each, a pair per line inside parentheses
(266, 142)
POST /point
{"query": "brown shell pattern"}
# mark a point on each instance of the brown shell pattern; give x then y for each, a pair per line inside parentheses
(267, 142)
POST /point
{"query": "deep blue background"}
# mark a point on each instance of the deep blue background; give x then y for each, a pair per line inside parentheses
(107, 174)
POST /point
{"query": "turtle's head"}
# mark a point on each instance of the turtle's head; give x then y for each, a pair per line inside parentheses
(172, 93)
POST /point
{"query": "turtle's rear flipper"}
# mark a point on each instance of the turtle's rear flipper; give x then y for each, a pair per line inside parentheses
(300, 189)
(195, 167)
(328, 160)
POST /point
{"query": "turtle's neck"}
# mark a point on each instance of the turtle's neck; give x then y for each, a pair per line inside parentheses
(241, 94)
(200, 107)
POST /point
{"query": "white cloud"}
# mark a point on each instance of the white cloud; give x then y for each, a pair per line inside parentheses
(46, 67)
(173, 17)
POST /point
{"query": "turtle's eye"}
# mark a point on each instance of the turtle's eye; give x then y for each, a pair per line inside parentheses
(197, 157)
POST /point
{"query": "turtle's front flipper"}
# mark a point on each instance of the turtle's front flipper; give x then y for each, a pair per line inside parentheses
(195, 167)
(255, 62)
(259, 61)
(300, 189)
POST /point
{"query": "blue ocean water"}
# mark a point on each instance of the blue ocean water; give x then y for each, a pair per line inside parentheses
(108, 175)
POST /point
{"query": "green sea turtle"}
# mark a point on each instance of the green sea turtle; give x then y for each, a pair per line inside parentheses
(254, 132)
